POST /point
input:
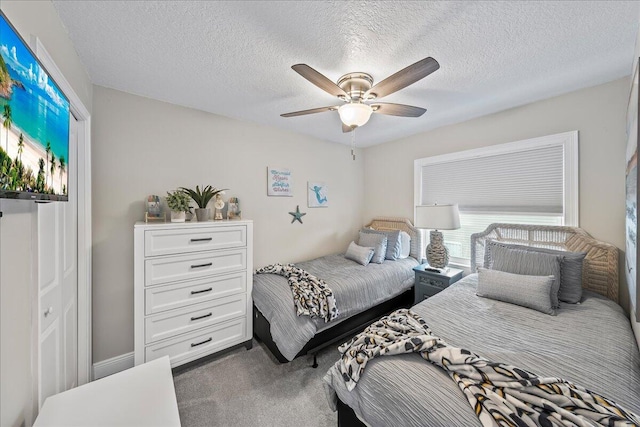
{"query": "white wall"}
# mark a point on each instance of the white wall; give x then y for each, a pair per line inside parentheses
(16, 404)
(37, 18)
(598, 113)
(142, 147)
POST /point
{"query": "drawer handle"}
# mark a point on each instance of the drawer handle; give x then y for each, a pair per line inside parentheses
(202, 317)
(201, 291)
(200, 343)
(209, 264)
(204, 239)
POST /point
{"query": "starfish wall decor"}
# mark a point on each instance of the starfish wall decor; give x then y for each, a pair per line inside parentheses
(297, 215)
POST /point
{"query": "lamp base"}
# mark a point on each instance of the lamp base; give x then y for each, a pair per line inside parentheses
(437, 252)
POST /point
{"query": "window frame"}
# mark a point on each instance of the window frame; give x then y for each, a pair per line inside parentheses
(569, 142)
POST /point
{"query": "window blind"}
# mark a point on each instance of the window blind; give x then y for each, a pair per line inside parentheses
(530, 180)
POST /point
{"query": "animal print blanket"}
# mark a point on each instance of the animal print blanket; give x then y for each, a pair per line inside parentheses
(311, 296)
(500, 394)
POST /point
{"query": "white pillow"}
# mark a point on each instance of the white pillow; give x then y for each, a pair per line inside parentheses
(360, 254)
(405, 245)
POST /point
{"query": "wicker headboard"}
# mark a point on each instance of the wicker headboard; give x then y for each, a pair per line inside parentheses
(403, 224)
(600, 267)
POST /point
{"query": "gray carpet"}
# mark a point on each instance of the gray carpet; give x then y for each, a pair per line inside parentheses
(250, 388)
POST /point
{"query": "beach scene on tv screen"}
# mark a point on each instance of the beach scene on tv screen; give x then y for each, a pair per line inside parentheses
(34, 137)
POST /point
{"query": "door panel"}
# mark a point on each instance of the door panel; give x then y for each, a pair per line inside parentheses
(48, 249)
(50, 365)
(70, 355)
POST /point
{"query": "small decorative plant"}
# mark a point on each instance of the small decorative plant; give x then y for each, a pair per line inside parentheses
(202, 198)
(178, 201)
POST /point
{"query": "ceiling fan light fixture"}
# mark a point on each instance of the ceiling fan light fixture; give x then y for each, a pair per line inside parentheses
(355, 114)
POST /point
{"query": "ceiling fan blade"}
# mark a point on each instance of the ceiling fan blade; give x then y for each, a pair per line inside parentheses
(311, 111)
(397, 109)
(346, 128)
(404, 77)
(320, 80)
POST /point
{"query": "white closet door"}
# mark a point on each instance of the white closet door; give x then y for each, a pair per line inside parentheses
(58, 288)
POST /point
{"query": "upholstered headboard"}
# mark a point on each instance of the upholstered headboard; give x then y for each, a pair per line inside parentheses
(402, 224)
(600, 267)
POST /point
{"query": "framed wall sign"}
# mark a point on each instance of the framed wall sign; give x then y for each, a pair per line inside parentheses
(279, 182)
(317, 194)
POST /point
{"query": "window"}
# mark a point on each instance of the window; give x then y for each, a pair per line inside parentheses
(528, 182)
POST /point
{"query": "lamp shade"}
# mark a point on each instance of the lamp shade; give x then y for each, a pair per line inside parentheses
(355, 114)
(438, 217)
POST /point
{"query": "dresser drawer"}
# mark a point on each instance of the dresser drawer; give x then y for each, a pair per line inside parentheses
(180, 241)
(176, 322)
(198, 343)
(169, 297)
(197, 265)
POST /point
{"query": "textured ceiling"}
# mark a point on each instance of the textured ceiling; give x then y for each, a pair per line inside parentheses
(234, 58)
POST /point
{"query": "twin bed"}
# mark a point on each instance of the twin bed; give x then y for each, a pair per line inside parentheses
(363, 294)
(590, 344)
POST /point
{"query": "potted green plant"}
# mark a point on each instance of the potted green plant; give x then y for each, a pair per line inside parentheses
(178, 201)
(202, 199)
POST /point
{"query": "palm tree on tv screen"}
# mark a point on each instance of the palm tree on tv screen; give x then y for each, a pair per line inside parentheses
(6, 123)
(53, 169)
(20, 146)
(46, 171)
(40, 180)
(62, 166)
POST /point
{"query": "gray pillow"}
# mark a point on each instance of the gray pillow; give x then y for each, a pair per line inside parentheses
(376, 241)
(570, 268)
(394, 244)
(359, 254)
(528, 291)
(517, 261)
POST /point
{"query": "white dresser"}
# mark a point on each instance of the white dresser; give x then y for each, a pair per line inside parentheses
(192, 289)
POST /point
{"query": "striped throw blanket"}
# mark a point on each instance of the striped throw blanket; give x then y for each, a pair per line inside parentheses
(311, 296)
(499, 394)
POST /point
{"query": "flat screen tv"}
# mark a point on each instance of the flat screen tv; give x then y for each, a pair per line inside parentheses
(34, 113)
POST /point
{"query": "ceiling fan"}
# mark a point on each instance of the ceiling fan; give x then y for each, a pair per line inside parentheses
(359, 93)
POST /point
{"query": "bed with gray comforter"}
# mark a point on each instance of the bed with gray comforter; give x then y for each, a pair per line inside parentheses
(590, 344)
(356, 288)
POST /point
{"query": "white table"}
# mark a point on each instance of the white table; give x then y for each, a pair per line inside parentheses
(141, 396)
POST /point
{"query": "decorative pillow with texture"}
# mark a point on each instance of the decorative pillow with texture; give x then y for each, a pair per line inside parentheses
(376, 241)
(517, 261)
(394, 244)
(405, 246)
(527, 291)
(570, 268)
(359, 254)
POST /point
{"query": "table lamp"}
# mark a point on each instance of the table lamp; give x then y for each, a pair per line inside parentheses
(437, 217)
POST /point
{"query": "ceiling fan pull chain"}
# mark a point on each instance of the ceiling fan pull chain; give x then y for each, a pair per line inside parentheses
(353, 144)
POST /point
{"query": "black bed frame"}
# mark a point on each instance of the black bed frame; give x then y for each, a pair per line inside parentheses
(347, 417)
(346, 328)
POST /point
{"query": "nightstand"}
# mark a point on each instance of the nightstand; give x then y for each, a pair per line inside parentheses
(429, 283)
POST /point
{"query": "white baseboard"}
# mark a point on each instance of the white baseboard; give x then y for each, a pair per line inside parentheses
(113, 365)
